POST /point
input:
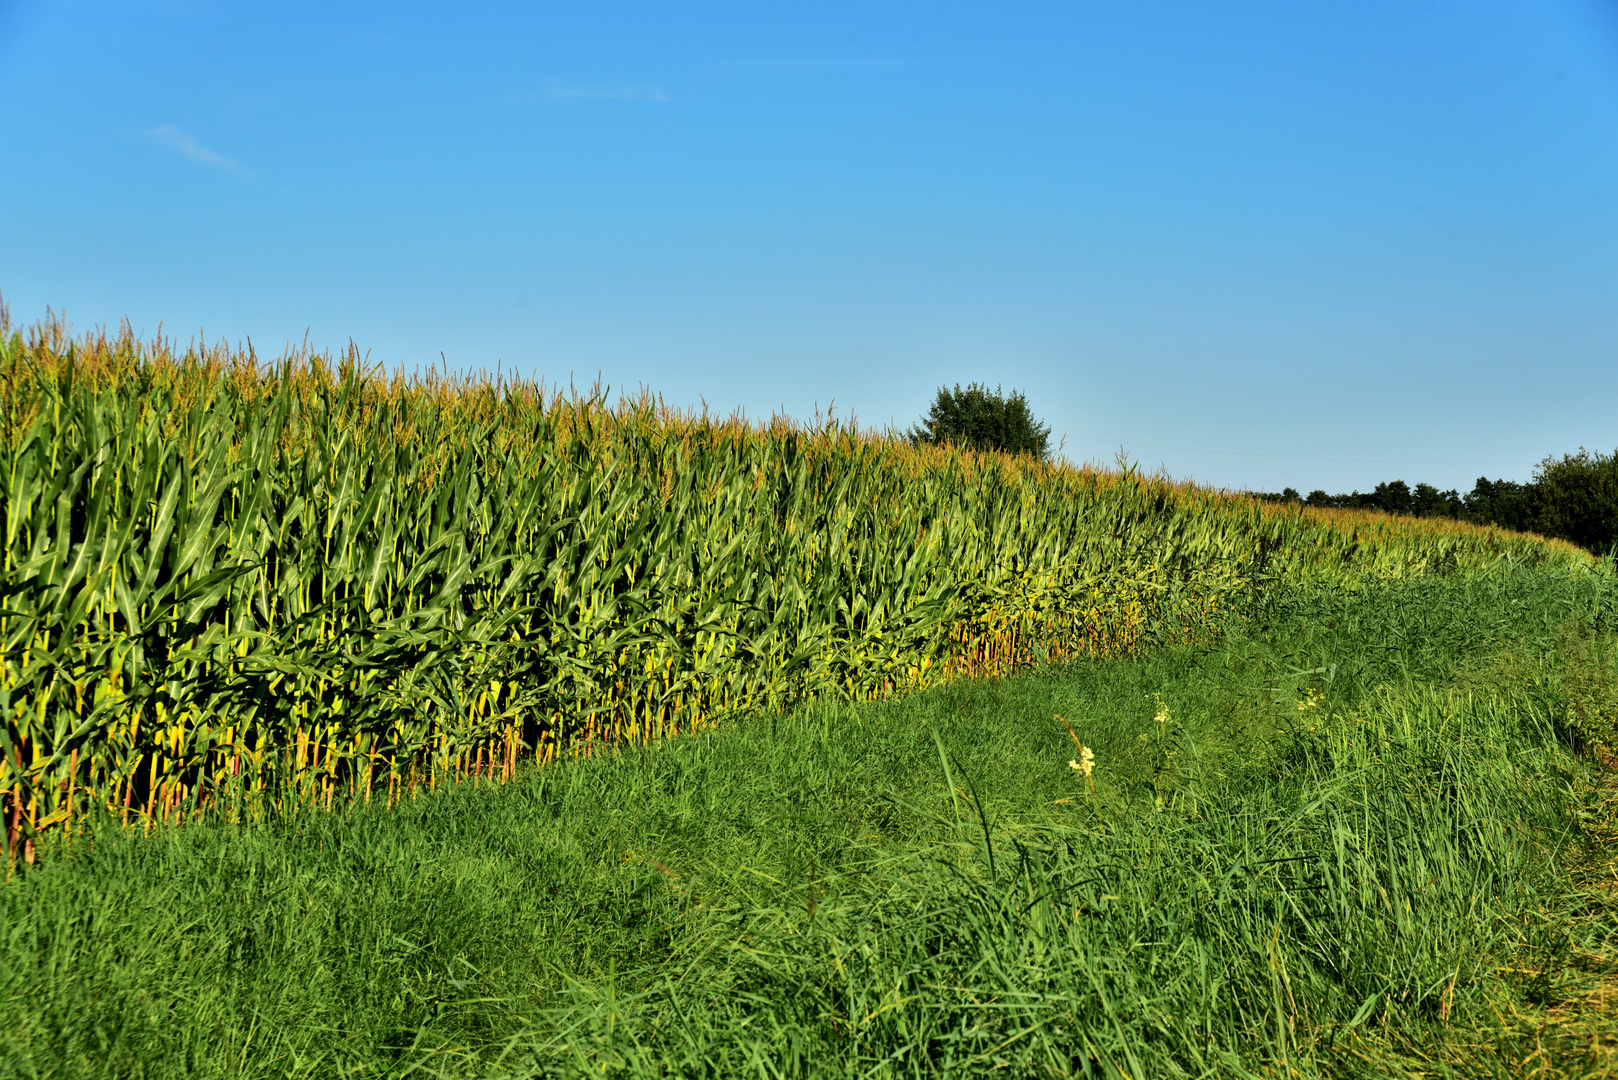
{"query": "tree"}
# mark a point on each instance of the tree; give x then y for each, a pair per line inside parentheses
(1578, 499)
(1285, 495)
(978, 418)
(1505, 503)
(1428, 501)
(1392, 497)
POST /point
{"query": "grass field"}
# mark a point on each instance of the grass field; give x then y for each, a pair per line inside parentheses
(1369, 836)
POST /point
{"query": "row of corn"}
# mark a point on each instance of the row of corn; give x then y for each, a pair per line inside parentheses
(232, 586)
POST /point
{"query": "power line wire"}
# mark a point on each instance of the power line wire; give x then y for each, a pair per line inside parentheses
(1293, 457)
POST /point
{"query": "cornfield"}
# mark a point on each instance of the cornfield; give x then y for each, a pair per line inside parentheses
(239, 586)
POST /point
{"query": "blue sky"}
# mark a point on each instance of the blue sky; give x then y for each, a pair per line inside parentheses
(1310, 244)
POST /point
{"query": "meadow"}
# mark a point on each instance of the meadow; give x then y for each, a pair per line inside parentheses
(360, 726)
(1354, 836)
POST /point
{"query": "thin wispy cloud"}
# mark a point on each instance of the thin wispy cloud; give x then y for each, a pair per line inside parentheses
(564, 92)
(810, 64)
(174, 139)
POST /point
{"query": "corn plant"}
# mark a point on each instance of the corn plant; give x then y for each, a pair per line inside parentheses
(245, 586)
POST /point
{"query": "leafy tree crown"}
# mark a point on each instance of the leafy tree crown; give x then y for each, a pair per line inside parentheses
(978, 418)
(1578, 499)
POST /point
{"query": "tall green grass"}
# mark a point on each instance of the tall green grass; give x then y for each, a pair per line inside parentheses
(245, 585)
(1344, 852)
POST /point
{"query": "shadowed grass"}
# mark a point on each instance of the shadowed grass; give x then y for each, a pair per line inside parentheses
(1346, 851)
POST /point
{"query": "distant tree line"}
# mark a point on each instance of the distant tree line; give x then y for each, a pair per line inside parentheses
(1574, 497)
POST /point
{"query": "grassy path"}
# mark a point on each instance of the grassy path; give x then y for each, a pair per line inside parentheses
(1363, 840)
